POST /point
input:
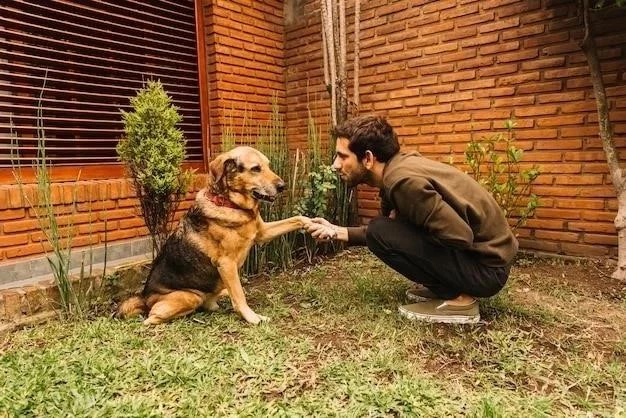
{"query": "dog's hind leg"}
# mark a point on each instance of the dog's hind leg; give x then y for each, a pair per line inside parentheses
(173, 305)
(210, 304)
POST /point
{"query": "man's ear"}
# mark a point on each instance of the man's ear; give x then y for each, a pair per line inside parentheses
(368, 159)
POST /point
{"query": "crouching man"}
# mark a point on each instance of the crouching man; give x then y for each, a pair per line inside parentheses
(440, 228)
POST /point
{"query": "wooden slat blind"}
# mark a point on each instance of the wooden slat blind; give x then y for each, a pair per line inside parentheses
(93, 55)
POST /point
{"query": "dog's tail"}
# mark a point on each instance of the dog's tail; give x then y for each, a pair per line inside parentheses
(134, 306)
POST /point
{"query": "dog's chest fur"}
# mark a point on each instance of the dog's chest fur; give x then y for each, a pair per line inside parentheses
(206, 234)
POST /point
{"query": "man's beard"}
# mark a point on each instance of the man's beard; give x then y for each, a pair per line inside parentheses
(358, 176)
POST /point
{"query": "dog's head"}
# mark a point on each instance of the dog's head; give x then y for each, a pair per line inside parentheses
(243, 174)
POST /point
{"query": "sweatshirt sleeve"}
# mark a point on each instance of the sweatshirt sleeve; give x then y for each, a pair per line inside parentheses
(417, 201)
(356, 235)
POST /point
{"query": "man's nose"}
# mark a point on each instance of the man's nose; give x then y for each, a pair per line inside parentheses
(336, 164)
(280, 186)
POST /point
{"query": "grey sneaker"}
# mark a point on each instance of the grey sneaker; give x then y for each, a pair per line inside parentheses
(437, 310)
(419, 293)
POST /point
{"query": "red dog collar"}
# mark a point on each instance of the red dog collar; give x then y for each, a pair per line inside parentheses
(220, 200)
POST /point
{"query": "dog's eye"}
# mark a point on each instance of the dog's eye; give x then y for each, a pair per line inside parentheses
(256, 168)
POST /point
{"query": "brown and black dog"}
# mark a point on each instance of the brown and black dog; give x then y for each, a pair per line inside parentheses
(201, 259)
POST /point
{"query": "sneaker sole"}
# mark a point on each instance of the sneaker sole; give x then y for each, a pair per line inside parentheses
(440, 319)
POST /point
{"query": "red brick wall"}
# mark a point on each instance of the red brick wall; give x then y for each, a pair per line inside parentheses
(444, 72)
(245, 60)
(111, 202)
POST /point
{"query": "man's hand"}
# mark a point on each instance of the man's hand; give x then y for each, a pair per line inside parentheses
(322, 230)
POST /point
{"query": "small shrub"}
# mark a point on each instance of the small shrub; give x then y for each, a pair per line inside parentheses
(153, 151)
(494, 162)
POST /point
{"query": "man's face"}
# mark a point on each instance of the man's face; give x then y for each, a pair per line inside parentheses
(349, 168)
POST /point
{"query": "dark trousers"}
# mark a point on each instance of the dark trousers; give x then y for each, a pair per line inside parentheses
(446, 271)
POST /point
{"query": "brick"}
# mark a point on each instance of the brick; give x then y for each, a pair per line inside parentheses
(543, 63)
(585, 156)
(536, 134)
(428, 110)
(499, 25)
(519, 78)
(26, 250)
(498, 69)
(498, 48)
(561, 97)
(559, 144)
(12, 240)
(557, 236)
(540, 87)
(473, 105)
(560, 120)
(580, 180)
(502, 91)
(457, 76)
(607, 228)
(580, 204)
(584, 250)
(588, 106)
(523, 32)
(545, 223)
(514, 102)
(8, 214)
(546, 39)
(475, 63)
(536, 110)
(420, 101)
(479, 40)
(475, 20)
(20, 226)
(477, 84)
(610, 240)
(524, 55)
(438, 89)
(437, 69)
(579, 131)
(455, 97)
(433, 129)
(552, 247)
(566, 72)
(438, 49)
(459, 34)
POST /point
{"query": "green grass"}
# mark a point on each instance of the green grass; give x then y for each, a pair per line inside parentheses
(335, 347)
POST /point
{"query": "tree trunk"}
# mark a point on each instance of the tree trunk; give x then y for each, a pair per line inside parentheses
(588, 46)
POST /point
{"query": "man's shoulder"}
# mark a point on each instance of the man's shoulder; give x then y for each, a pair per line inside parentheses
(404, 166)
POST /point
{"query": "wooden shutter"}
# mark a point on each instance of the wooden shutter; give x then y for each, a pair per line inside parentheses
(93, 56)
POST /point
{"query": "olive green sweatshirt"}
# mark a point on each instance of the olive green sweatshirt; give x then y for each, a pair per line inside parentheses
(446, 203)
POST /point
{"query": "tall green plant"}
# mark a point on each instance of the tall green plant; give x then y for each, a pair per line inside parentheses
(494, 162)
(153, 151)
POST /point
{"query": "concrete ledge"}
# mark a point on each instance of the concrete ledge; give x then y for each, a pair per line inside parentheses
(22, 272)
(36, 300)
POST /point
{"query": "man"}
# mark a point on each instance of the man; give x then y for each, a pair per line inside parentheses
(440, 228)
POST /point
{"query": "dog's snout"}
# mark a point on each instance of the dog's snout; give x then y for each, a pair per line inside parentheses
(280, 186)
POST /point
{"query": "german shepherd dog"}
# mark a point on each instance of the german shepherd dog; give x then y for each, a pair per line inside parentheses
(200, 260)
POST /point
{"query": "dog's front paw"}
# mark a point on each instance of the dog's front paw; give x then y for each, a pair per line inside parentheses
(304, 221)
(256, 319)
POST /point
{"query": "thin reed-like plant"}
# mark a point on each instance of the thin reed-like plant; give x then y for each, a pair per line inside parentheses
(73, 305)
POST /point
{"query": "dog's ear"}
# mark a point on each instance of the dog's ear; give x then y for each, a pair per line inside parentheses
(221, 165)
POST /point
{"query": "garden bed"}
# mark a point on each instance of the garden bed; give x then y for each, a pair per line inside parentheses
(552, 343)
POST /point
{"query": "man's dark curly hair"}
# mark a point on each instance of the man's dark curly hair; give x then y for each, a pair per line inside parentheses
(372, 133)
